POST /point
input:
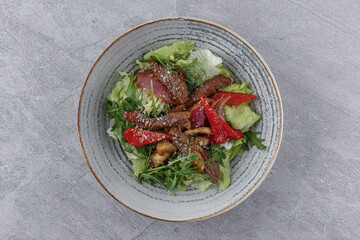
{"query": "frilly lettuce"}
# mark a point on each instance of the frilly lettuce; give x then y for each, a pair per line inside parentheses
(177, 50)
(143, 65)
(136, 155)
(159, 105)
(126, 89)
(119, 91)
(206, 63)
(237, 88)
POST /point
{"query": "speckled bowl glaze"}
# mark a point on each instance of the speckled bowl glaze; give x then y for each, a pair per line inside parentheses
(105, 156)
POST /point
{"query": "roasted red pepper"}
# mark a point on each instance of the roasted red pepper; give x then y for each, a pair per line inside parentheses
(235, 98)
(220, 129)
(139, 137)
(209, 137)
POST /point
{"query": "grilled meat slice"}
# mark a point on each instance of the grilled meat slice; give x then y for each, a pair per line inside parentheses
(205, 89)
(172, 81)
(180, 140)
(213, 169)
(167, 121)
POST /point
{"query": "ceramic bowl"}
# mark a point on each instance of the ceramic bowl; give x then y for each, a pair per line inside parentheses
(105, 156)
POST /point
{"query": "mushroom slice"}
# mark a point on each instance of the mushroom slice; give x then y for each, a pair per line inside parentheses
(200, 130)
(203, 141)
(162, 152)
(164, 147)
(202, 155)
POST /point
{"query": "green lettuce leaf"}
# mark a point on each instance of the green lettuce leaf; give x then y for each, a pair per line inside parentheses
(237, 88)
(137, 155)
(235, 150)
(241, 116)
(196, 182)
(143, 65)
(138, 159)
(116, 93)
(123, 89)
(126, 97)
(177, 50)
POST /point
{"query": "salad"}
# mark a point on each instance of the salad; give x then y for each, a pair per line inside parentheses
(181, 118)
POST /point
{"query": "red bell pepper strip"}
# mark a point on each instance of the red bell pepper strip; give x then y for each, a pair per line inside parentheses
(210, 138)
(139, 137)
(233, 133)
(235, 98)
(220, 129)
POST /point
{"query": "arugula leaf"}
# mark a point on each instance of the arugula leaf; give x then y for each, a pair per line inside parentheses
(245, 147)
(178, 170)
(194, 76)
(217, 153)
(254, 140)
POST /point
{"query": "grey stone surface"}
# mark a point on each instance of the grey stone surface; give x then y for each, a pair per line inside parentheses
(48, 47)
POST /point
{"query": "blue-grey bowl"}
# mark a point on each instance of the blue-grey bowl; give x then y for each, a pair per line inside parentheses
(105, 156)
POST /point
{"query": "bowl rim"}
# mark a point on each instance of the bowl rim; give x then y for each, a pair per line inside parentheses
(267, 170)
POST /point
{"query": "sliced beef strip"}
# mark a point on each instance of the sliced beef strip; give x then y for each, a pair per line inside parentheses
(206, 89)
(172, 81)
(180, 140)
(167, 121)
(201, 153)
(213, 169)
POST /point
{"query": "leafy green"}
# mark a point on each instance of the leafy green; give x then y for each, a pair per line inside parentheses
(137, 155)
(154, 106)
(254, 140)
(236, 150)
(194, 76)
(217, 153)
(116, 93)
(241, 116)
(124, 89)
(177, 171)
(237, 88)
(169, 53)
(206, 63)
(126, 97)
(195, 181)
(200, 66)
(143, 65)
(224, 72)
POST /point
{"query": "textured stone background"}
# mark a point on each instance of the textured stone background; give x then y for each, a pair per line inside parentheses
(48, 47)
